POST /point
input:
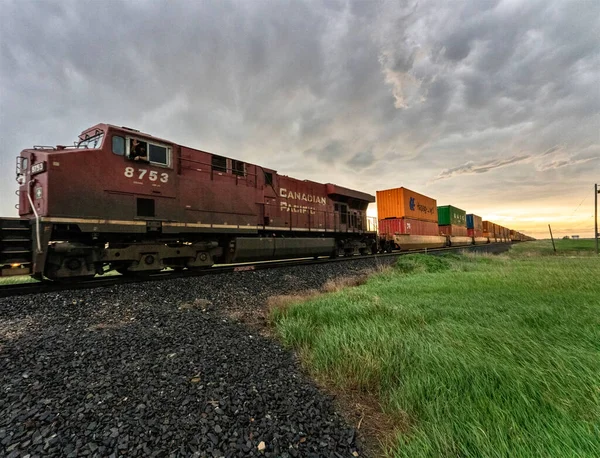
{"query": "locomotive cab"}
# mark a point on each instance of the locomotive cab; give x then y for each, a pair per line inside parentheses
(112, 180)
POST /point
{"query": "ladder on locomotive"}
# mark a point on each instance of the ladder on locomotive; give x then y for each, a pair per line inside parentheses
(15, 247)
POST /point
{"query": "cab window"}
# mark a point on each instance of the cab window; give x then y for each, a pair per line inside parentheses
(141, 150)
(93, 141)
(118, 145)
(138, 150)
(157, 154)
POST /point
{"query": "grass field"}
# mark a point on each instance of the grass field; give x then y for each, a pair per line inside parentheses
(469, 356)
(583, 247)
(12, 280)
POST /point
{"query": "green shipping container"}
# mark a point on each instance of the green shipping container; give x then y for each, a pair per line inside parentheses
(451, 215)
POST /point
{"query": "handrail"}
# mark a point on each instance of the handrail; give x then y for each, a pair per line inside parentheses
(37, 220)
(209, 165)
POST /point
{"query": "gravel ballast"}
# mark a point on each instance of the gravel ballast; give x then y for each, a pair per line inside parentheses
(162, 369)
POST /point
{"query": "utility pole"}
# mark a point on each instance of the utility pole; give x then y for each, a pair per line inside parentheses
(596, 192)
(553, 246)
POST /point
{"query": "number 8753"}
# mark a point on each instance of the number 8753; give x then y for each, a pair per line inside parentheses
(130, 172)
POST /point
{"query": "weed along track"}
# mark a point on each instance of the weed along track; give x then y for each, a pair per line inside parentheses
(467, 355)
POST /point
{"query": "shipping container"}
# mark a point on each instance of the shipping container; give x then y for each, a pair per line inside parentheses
(453, 230)
(404, 203)
(480, 240)
(474, 222)
(388, 227)
(474, 232)
(449, 215)
(502, 233)
(488, 226)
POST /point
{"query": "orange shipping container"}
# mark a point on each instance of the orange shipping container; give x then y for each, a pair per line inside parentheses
(489, 227)
(453, 230)
(404, 203)
(474, 232)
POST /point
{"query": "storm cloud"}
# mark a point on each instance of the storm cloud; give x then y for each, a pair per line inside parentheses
(369, 95)
(482, 167)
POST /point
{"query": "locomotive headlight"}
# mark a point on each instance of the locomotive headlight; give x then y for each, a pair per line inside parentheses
(38, 193)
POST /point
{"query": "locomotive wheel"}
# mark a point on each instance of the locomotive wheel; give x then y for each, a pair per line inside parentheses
(52, 271)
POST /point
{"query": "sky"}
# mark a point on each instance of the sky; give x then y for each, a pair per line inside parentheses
(490, 106)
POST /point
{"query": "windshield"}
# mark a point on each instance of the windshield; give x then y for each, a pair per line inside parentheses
(94, 142)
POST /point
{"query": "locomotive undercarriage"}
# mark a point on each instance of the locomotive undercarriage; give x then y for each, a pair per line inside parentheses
(73, 255)
(80, 260)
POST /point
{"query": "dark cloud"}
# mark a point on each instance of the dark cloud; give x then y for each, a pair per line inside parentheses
(481, 167)
(361, 160)
(329, 153)
(539, 159)
(565, 163)
(550, 150)
(318, 88)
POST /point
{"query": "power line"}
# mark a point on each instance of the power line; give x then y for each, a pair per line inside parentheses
(580, 204)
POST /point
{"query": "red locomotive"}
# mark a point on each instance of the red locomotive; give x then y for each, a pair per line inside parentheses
(125, 200)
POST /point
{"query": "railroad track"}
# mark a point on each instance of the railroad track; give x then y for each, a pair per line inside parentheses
(53, 286)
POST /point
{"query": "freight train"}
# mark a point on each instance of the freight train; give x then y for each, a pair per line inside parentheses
(409, 220)
(123, 200)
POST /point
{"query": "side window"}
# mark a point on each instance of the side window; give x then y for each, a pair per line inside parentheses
(268, 179)
(219, 164)
(118, 145)
(138, 150)
(238, 168)
(158, 154)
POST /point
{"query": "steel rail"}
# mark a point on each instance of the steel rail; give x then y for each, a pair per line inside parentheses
(98, 282)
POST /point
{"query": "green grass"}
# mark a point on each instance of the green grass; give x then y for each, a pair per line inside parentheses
(472, 356)
(15, 279)
(584, 247)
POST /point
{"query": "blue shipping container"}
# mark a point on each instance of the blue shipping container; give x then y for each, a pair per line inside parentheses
(474, 222)
(470, 221)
